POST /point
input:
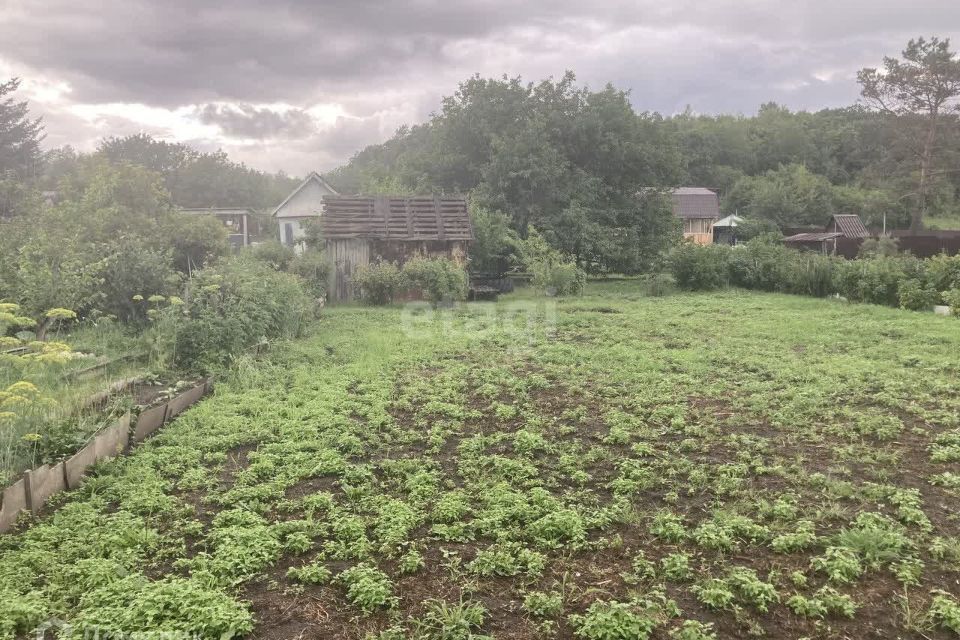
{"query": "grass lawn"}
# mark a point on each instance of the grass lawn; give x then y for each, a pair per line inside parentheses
(616, 466)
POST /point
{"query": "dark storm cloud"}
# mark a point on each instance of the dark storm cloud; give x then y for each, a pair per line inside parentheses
(389, 62)
(248, 121)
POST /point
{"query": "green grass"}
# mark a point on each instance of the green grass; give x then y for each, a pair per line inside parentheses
(625, 466)
(942, 222)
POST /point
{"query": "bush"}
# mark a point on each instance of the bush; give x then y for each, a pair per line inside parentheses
(275, 254)
(314, 268)
(196, 241)
(440, 279)
(952, 298)
(760, 264)
(553, 273)
(811, 274)
(699, 267)
(917, 296)
(229, 308)
(943, 272)
(134, 269)
(378, 283)
(559, 279)
(878, 248)
(876, 280)
(495, 244)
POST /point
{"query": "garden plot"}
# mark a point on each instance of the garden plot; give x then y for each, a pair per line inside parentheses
(683, 467)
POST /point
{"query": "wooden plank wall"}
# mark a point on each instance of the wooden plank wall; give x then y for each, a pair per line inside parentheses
(346, 255)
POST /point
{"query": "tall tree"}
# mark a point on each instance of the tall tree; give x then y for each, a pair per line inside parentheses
(20, 154)
(921, 90)
(20, 135)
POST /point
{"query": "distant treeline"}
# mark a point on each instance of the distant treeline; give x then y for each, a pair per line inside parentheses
(568, 160)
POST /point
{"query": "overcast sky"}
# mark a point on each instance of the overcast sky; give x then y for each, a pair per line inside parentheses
(298, 85)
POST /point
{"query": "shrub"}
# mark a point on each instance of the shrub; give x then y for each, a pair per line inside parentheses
(275, 254)
(876, 280)
(699, 267)
(811, 274)
(378, 283)
(952, 298)
(943, 272)
(559, 279)
(440, 279)
(760, 264)
(232, 306)
(878, 247)
(553, 273)
(917, 296)
(314, 268)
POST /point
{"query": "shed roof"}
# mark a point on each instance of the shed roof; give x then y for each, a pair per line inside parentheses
(729, 221)
(850, 225)
(215, 211)
(818, 236)
(695, 202)
(396, 218)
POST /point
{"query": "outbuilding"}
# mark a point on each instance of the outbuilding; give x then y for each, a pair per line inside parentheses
(302, 205)
(699, 209)
(359, 230)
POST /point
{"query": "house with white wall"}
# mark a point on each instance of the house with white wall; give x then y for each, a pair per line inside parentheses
(303, 204)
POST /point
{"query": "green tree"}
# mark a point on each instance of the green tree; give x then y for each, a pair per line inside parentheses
(496, 245)
(789, 196)
(195, 240)
(20, 156)
(919, 92)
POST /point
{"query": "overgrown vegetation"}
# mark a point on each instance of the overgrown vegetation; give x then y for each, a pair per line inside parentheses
(612, 475)
(437, 279)
(877, 277)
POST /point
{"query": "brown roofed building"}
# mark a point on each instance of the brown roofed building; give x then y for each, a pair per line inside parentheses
(358, 230)
(698, 208)
(849, 225)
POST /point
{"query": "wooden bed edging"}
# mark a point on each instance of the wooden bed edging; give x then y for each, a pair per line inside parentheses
(38, 485)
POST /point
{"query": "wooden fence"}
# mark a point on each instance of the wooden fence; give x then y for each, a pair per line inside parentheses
(922, 246)
(38, 485)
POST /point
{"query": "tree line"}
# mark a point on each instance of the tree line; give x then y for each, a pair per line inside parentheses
(578, 164)
(586, 170)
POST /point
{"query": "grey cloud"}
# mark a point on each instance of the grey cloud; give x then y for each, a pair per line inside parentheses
(248, 121)
(389, 59)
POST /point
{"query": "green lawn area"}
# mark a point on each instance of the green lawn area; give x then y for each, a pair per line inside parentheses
(610, 466)
(943, 222)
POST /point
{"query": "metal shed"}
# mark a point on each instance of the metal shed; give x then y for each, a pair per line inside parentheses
(358, 230)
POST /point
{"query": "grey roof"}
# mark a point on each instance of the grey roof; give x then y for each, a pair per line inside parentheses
(729, 221)
(215, 211)
(695, 202)
(851, 225)
(818, 236)
(396, 218)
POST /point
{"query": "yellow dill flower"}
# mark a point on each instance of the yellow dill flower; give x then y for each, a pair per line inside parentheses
(23, 387)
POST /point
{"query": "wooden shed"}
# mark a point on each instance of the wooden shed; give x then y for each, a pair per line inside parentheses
(359, 230)
(698, 208)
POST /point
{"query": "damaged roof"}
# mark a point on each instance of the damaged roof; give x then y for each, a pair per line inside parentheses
(396, 218)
